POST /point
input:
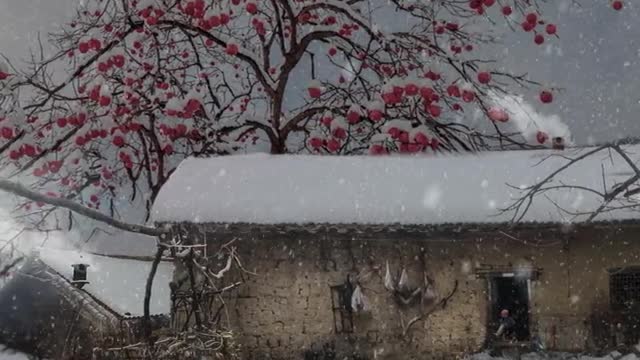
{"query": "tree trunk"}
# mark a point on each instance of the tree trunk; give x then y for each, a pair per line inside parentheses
(147, 293)
(278, 147)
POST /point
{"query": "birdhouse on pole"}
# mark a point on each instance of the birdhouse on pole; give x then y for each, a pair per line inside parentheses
(558, 143)
(79, 275)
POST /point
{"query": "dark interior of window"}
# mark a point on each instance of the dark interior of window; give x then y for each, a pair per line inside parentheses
(624, 290)
(511, 293)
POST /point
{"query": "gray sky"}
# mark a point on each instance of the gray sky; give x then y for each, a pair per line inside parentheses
(596, 61)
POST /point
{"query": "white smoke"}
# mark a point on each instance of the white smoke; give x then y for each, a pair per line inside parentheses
(524, 117)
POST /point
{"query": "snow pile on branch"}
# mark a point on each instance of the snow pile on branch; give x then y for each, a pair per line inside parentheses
(528, 121)
(9, 354)
(267, 189)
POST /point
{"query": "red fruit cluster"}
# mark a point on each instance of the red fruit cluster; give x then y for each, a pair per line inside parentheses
(117, 61)
(348, 29)
(329, 20)
(102, 99)
(167, 149)
(92, 44)
(326, 121)
(52, 167)
(617, 5)
(375, 115)
(331, 145)
(82, 140)
(480, 5)
(180, 131)
(394, 96)
(29, 150)
(546, 96)
(191, 108)
(354, 115)
(316, 143)
(232, 49)
(551, 29)
(118, 141)
(408, 143)
(195, 8)
(484, 77)
(431, 75)
(541, 137)
(73, 120)
(466, 94)
(530, 23)
(452, 26)
(259, 26)
(252, 8)
(378, 149)
(126, 160)
(151, 15)
(214, 21)
(339, 132)
(6, 133)
(498, 114)
(314, 91)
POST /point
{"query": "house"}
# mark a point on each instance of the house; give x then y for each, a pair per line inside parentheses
(410, 257)
(63, 303)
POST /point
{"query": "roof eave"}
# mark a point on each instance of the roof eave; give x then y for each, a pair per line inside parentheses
(355, 228)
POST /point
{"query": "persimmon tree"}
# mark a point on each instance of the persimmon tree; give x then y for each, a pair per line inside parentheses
(135, 86)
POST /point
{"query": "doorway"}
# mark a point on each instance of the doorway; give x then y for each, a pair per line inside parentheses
(511, 293)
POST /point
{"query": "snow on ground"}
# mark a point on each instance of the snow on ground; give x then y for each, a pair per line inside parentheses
(119, 283)
(7, 354)
(558, 356)
(270, 189)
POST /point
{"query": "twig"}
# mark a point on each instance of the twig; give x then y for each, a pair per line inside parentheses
(440, 305)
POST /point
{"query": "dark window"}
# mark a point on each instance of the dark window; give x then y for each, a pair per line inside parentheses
(510, 293)
(341, 306)
(624, 289)
(80, 272)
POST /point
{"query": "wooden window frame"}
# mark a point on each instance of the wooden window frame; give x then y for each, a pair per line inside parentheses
(624, 289)
(341, 308)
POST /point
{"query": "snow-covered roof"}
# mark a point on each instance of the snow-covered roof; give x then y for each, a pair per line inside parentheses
(421, 190)
(118, 283)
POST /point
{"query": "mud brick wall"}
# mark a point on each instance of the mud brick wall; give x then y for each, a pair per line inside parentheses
(286, 308)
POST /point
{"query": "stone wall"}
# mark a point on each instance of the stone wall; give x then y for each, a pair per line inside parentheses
(285, 309)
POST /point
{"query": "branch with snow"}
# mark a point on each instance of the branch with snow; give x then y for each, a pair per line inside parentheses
(20, 190)
(535, 127)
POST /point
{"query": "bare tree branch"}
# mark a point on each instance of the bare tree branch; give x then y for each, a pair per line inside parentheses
(20, 190)
(620, 192)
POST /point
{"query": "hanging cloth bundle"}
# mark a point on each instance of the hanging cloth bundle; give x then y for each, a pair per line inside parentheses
(388, 280)
(359, 302)
(430, 293)
(403, 283)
